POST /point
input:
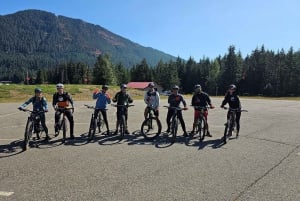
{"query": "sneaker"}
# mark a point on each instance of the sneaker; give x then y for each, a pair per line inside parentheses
(126, 132)
(107, 132)
(47, 138)
(72, 137)
(56, 134)
(208, 134)
(185, 134)
(168, 130)
(116, 132)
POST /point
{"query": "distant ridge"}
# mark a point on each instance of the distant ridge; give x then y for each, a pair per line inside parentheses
(34, 39)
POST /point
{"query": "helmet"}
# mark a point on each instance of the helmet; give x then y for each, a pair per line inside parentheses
(151, 84)
(37, 90)
(123, 86)
(232, 86)
(59, 86)
(104, 86)
(175, 87)
(197, 86)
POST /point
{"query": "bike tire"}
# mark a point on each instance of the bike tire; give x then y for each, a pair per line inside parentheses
(151, 128)
(174, 128)
(122, 127)
(28, 134)
(202, 129)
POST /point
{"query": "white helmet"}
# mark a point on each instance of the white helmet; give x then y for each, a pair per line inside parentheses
(60, 86)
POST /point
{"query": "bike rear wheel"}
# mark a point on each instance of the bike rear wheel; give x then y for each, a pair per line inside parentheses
(151, 128)
(28, 134)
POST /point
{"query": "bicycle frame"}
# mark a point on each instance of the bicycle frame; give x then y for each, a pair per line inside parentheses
(95, 122)
(174, 122)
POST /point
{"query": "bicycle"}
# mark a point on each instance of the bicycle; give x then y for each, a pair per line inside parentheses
(122, 120)
(201, 124)
(231, 123)
(151, 126)
(33, 125)
(174, 122)
(62, 125)
(96, 122)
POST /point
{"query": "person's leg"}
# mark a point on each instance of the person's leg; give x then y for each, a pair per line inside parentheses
(104, 115)
(71, 120)
(169, 115)
(43, 122)
(180, 117)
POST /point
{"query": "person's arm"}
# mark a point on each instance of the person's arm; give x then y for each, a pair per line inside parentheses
(225, 101)
(183, 102)
(54, 101)
(129, 99)
(26, 103)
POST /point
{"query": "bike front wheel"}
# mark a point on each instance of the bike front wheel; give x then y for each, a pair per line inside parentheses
(92, 128)
(151, 128)
(64, 128)
(202, 129)
(174, 128)
(28, 134)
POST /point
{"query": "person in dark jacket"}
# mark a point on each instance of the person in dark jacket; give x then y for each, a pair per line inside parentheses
(63, 100)
(174, 100)
(233, 100)
(122, 98)
(201, 99)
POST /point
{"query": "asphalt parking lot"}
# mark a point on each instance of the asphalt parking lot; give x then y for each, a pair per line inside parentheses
(262, 164)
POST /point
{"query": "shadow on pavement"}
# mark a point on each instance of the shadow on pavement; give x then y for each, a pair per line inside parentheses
(11, 149)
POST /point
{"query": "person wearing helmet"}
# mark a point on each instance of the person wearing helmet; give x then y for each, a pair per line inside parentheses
(174, 100)
(39, 103)
(63, 100)
(103, 98)
(122, 98)
(233, 101)
(152, 100)
(200, 99)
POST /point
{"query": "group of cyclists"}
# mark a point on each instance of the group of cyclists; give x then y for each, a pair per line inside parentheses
(62, 100)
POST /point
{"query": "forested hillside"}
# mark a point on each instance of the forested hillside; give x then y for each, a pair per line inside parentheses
(33, 39)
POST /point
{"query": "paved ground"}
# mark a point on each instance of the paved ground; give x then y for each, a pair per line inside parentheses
(262, 164)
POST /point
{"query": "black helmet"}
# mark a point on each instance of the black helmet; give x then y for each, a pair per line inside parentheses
(104, 86)
(232, 86)
(123, 86)
(37, 90)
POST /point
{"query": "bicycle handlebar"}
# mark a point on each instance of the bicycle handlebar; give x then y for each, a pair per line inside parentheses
(31, 111)
(175, 108)
(115, 105)
(236, 110)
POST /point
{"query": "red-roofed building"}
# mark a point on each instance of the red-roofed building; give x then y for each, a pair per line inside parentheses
(142, 86)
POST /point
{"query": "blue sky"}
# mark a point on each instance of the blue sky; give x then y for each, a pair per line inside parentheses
(185, 28)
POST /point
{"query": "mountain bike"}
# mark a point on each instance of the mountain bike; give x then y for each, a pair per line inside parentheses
(122, 120)
(96, 122)
(174, 122)
(231, 123)
(151, 126)
(201, 124)
(62, 122)
(33, 125)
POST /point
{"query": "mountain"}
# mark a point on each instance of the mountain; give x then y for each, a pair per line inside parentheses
(34, 39)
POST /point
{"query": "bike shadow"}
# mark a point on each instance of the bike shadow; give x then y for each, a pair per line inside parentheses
(11, 149)
(208, 142)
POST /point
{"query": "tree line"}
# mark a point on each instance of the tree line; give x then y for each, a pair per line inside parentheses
(264, 72)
